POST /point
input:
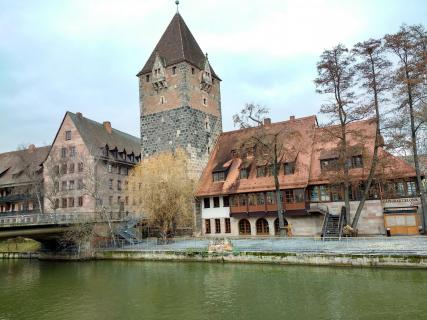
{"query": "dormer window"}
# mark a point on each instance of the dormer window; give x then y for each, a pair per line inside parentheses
(289, 168)
(357, 161)
(159, 80)
(243, 173)
(261, 171)
(206, 78)
(218, 176)
(329, 164)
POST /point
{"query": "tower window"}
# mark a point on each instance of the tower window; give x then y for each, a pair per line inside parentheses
(68, 135)
(173, 70)
(162, 100)
(147, 78)
(205, 101)
(192, 70)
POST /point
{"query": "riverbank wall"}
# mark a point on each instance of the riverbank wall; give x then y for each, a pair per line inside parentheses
(280, 258)
(283, 258)
(19, 255)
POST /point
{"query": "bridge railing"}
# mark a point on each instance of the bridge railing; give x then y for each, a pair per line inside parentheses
(50, 219)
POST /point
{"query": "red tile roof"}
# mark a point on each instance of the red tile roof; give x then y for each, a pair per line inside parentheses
(312, 144)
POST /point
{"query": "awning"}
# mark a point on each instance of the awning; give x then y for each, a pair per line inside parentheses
(401, 210)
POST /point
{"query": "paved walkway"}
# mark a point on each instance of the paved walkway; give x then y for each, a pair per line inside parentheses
(377, 246)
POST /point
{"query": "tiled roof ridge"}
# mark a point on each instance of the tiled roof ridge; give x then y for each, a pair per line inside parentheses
(102, 125)
(271, 125)
(180, 33)
(23, 150)
(370, 120)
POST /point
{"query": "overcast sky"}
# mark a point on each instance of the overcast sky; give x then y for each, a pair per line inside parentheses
(83, 55)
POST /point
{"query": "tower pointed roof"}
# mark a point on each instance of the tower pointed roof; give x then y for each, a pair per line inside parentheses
(177, 44)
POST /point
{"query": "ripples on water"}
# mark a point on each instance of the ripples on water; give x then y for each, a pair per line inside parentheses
(161, 290)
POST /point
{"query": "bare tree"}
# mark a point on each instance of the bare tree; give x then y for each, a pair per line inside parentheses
(162, 189)
(95, 185)
(79, 234)
(408, 46)
(52, 178)
(34, 174)
(268, 145)
(373, 72)
(335, 79)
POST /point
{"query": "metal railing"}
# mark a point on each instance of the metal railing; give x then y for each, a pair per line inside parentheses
(58, 218)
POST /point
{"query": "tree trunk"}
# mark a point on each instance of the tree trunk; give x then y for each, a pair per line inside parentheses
(280, 210)
(368, 182)
(415, 154)
(345, 169)
(375, 155)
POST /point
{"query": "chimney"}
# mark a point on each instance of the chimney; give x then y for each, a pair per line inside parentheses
(267, 121)
(31, 148)
(292, 118)
(79, 115)
(107, 126)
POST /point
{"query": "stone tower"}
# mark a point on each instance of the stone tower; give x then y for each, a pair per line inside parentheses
(179, 96)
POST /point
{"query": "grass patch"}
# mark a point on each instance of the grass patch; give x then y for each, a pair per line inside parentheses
(19, 244)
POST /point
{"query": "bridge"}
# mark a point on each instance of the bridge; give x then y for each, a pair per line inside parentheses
(49, 227)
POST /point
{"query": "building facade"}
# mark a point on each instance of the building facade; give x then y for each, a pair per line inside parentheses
(21, 180)
(87, 168)
(180, 98)
(237, 193)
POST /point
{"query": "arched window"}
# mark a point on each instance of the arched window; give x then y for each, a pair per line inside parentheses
(262, 227)
(244, 227)
(276, 226)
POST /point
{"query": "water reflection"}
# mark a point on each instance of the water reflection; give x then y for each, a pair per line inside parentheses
(160, 290)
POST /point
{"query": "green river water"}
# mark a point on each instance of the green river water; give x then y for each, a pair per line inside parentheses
(30, 289)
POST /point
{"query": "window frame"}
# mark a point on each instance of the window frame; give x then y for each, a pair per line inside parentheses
(216, 203)
(227, 224)
(287, 166)
(217, 225)
(208, 226)
(206, 203)
(226, 203)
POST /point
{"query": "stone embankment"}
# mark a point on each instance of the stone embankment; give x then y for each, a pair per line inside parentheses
(314, 259)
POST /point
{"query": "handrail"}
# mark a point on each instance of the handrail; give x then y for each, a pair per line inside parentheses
(52, 219)
(325, 222)
(342, 221)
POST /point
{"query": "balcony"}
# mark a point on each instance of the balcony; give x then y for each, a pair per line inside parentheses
(291, 207)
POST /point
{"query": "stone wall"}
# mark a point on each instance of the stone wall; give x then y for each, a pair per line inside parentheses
(314, 259)
(371, 220)
(190, 129)
(180, 115)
